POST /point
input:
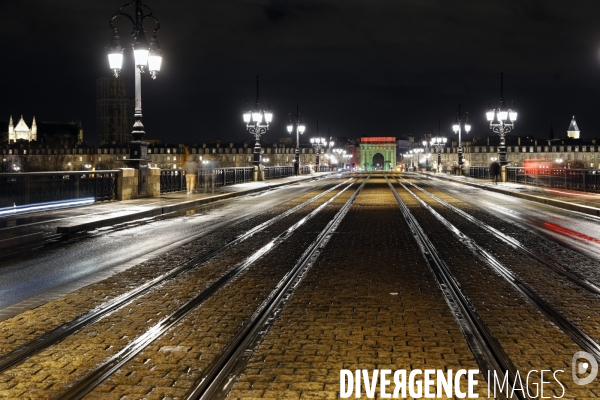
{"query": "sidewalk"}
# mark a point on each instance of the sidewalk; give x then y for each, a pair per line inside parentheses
(584, 202)
(70, 220)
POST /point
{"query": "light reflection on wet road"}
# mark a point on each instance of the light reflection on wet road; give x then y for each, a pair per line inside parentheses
(28, 276)
(576, 231)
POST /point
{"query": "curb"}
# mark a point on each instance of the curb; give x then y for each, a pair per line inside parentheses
(538, 199)
(31, 238)
(186, 205)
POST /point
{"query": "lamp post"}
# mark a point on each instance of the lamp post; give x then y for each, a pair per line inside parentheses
(438, 142)
(502, 121)
(145, 57)
(329, 149)
(317, 143)
(457, 127)
(416, 152)
(300, 128)
(335, 157)
(407, 156)
(341, 155)
(426, 148)
(257, 122)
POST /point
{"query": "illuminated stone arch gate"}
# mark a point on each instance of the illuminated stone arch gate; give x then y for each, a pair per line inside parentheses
(369, 146)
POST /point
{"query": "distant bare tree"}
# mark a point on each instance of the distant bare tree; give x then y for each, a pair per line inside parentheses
(577, 164)
(5, 166)
(38, 163)
(110, 164)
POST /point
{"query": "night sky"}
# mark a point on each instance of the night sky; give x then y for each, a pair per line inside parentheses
(388, 68)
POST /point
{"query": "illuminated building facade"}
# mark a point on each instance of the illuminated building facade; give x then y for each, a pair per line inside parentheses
(21, 131)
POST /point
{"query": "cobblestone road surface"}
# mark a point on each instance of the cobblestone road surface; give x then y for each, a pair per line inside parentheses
(369, 302)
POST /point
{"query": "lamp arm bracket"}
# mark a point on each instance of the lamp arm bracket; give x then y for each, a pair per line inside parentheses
(157, 27)
(114, 27)
(501, 130)
(257, 130)
(126, 5)
(147, 8)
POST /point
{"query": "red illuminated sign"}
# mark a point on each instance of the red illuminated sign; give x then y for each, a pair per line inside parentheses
(378, 140)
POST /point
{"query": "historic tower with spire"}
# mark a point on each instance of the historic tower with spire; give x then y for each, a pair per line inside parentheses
(573, 131)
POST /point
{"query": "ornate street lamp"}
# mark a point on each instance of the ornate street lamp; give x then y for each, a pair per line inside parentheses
(340, 155)
(300, 128)
(458, 127)
(347, 158)
(502, 120)
(426, 148)
(317, 143)
(145, 56)
(438, 142)
(257, 122)
(417, 151)
(410, 155)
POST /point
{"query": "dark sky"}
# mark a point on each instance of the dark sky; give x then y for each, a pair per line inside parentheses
(361, 67)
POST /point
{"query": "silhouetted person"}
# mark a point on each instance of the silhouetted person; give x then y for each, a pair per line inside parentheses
(191, 175)
(495, 171)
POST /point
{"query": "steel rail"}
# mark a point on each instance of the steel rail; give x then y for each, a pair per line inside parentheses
(54, 336)
(517, 245)
(218, 378)
(133, 348)
(488, 352)
(581, 338)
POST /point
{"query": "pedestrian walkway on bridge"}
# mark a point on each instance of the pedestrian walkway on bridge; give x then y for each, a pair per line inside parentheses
(15, 229)
(585, 202)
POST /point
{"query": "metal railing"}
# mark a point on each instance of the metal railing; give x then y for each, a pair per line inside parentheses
(479, 172)
(323, 168)
(278, 172)
(586, 180)
(172, 180)
(22, 188)
(216, 177)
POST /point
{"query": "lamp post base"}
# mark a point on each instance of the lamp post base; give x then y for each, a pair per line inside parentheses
(138, 153)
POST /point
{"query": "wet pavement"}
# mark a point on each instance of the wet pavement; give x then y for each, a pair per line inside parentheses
(113, 212)
(370, 301)
(572, 197)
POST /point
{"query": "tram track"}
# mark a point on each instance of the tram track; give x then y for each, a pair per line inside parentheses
(517, 245)
(576, 312)
(139, 343)
(581, 338)
(221, 374)
(212, 370)
(52, 239)
(584, 257)
(488, 352)
(103, 371)
(59, 333)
